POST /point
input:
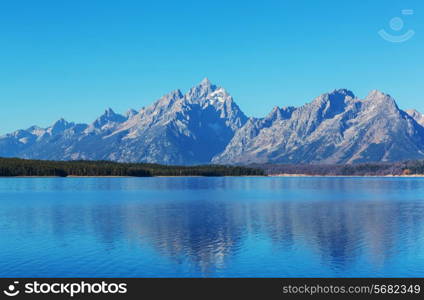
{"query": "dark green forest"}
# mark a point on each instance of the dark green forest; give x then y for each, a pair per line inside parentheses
(12, 167)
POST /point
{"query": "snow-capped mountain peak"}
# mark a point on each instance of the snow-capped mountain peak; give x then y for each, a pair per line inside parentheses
(201, 91)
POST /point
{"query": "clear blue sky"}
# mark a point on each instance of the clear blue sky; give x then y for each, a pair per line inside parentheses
(73, 59)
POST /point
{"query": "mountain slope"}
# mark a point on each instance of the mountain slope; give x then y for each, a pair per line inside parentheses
(176, 129)
(334, 128)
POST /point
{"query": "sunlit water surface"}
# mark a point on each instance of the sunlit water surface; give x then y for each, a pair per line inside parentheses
(211, 227)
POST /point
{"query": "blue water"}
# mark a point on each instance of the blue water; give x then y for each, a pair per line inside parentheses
(211, 227)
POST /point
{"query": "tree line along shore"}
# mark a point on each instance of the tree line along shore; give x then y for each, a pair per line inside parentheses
(15, 167)
(406, 168)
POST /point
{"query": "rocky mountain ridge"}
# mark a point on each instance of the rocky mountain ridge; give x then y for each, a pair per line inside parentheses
(205, 125)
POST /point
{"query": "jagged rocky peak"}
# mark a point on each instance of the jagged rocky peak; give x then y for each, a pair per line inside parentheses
(207, 94)
(336, 98)
(378, 96)
(379, 100)
(19, 133)
(36, 130)
(60, 123)
(169, 99)
(202, 90)
(33, 128)
(416, 115)
(220, 95)
(131, 113)
(329, 104)
(280, 113)
(109, 116)
(109, 112)
(343, 92)
(174, 95)
(60, 126)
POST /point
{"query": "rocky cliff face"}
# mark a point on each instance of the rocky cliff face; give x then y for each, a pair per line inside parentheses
(205, 125)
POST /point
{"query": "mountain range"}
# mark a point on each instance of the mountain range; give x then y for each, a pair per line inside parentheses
(205, 125)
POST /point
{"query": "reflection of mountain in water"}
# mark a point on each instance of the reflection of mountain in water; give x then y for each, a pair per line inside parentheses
(337, 232)
(208, 227)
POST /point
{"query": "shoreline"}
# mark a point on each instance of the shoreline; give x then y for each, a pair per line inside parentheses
(74, 176)
(347, 176)
(249, 176)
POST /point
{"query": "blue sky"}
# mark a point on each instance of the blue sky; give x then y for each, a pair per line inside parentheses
(73, 59)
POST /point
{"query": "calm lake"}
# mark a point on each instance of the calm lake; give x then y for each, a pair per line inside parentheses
(211, 227)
